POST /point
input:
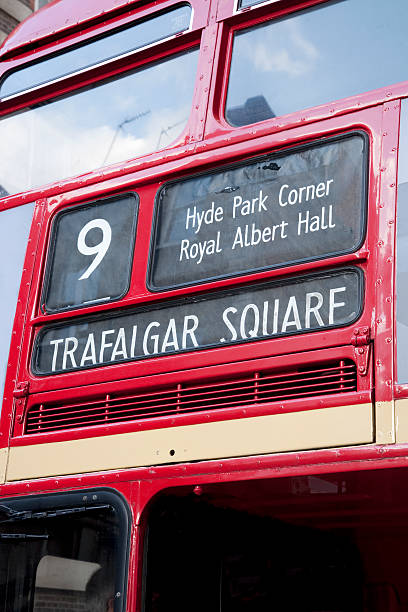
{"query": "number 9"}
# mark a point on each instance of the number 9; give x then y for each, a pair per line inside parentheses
(99, 249)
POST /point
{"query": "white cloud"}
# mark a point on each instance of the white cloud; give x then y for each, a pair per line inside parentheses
(116, 121)
(38, 148)
(284, 51)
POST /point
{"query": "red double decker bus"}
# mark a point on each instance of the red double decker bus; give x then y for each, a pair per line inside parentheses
(204, 329)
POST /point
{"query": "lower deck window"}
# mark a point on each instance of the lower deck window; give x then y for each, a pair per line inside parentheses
(326, 543)
(62, 553)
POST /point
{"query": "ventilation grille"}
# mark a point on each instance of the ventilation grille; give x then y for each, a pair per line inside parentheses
(250, 389)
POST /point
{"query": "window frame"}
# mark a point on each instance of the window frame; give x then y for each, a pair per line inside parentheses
(40, 4)
(138, 57)
(283, 152)
(91, 497)
(233, 20)
(208, 297)
(51, 250)
(90, 40)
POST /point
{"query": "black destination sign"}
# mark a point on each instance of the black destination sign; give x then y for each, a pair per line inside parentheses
(91, 253)
(304, 204)
(267, 310)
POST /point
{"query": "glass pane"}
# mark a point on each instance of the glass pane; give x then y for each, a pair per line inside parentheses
(68, 561)
(120, 119)
(92, 53)
(245, 3)
(311, 543)
(302, 204)
(268, 310)
(336, 50)
(402, 250)
(15, 225)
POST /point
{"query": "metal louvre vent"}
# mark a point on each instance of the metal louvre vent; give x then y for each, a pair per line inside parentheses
(253, 388)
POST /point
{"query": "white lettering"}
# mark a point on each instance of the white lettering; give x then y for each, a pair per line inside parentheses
(228, 323)
(275, 316)
(249, 207)
(183, 249)
(54, 356)
(154, 338)
(89, 346)
(292, 307)
(238, 240)
(305, 221)
(298, 195)
(333, 304)
(252, 333)
(120, 341)
(284, 187)
(69, 352)
(313, 309)
(265, 318)
(191, 217)
(209, 216)
(189, 331)
(133, 341)
(197, 250)
(170, 337)
(104, 344)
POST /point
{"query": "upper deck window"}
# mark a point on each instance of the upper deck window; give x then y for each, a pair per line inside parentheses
(96, 52)
(133, 114)
(335, 50)
(244, 3)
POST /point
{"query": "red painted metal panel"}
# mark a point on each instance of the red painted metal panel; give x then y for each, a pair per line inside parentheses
(385, 252)
(141, 484)
(242, 477)
(10, 401)
(217, 377)
(218, 384)
(146, 187)
(207, 142)
(259, 388)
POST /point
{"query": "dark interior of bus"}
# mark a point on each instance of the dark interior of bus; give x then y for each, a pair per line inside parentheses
(321, 543)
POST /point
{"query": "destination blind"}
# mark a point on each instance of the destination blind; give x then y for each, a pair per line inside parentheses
(258, 312)
(300, 205)
(91, 253)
